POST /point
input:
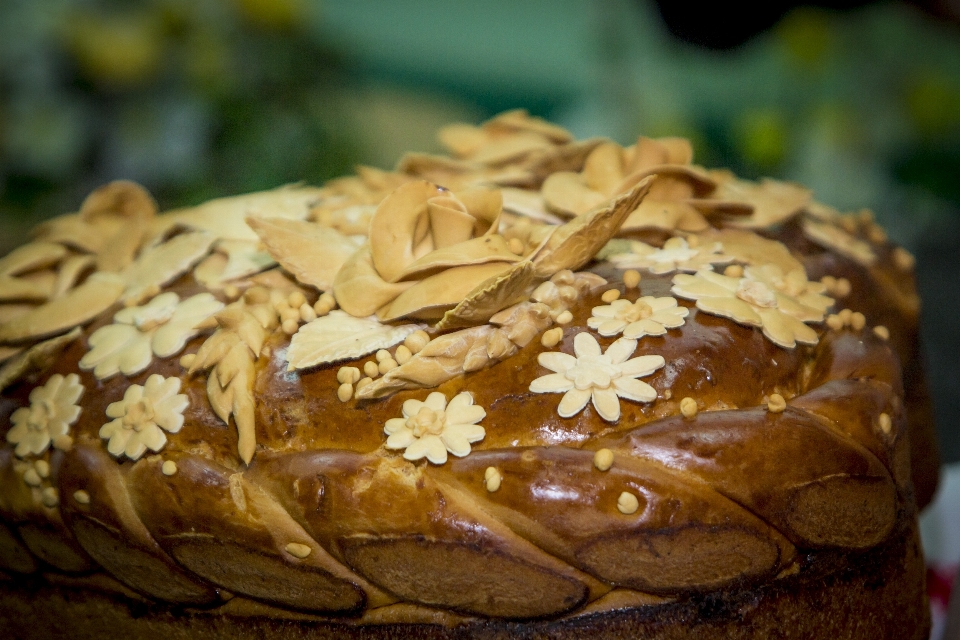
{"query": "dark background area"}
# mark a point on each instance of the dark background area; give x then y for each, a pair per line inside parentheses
(201, 98)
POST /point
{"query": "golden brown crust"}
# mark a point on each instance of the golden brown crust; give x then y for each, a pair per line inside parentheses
(726, 496)
(874, 595)
(409, 460)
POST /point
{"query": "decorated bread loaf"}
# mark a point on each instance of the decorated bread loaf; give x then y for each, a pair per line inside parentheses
(538, 388)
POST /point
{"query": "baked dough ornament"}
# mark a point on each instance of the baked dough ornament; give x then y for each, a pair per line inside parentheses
(142, 416)
(675, 255)
(434, 427)
(598, 377)
(160, 328)
(53, 409)
(763, 297)
(645, 316)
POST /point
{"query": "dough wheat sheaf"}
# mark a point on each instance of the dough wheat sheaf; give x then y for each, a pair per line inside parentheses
(427, 403)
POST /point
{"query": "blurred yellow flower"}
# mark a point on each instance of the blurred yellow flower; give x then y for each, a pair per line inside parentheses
(120, 49)
(933, 102)
(762, 137)
(273, 14)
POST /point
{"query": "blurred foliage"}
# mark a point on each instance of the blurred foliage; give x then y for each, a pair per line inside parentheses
(933, 102)
(863, 106)
(807, 34)
(193, 98)
(763, 137)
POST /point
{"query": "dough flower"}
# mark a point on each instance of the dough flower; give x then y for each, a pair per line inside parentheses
(53, 408)
(428, 248)
(432, 427)
(159, 328)
(676, 255)
(597, 376)
(435, 254)
(141, 417)
(648, 316)
(764, 297)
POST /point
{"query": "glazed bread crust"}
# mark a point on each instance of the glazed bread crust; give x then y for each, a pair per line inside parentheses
(825, 598)
(201, 444)
(729, 496)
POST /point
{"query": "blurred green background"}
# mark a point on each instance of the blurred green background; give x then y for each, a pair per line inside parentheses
(201, 98)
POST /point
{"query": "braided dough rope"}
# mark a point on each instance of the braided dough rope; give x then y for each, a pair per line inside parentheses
(41, 530)
(453, 354)
(115, 537)
(725, 497)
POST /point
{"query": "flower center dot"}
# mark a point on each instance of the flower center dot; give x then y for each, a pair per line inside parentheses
(592, 372)
(40, 413)
(756, 293)
(138, 414)
(153, 318)
(427, 421)
(638, 311)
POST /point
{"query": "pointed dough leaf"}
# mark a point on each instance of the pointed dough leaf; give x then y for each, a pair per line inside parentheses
(340, 336)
